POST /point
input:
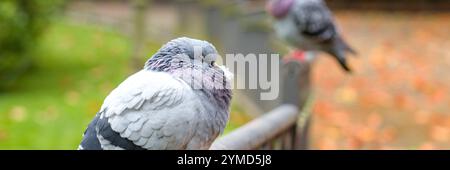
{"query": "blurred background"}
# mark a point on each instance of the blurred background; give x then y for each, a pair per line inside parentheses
(60, 58)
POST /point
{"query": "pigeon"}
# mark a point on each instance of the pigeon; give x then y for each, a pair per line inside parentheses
(308, 25)
(179, 100)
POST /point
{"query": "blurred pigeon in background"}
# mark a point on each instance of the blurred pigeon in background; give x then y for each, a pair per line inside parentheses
(180, 100)
(308, 25)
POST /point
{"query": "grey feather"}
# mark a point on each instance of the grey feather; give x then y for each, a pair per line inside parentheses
(149, 144)
(135, 126)
(135, 137)
(142, 141)
(126, 133)
(147, 130)
(118, 125)
(133, 117)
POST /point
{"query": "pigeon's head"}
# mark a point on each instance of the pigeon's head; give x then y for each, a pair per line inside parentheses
(186, 57)
(279, 8)
(182, 51)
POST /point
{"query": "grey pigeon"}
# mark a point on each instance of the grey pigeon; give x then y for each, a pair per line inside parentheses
(308, 25)
(179, 100)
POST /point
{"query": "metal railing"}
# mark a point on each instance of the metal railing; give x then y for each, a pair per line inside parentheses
(274, 130)
(285, 127)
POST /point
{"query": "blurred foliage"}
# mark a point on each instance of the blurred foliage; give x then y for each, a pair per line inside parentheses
(399, 94)
(76, 66)
(228, 8)
(21, 24)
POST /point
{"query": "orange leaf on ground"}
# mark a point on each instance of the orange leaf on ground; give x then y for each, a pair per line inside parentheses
(427, 146)
(387, 135)
(346, 95)
(322, 109)
(422, 117)
(327, 144)
(440, 133)
(366, 134)
(374, 120)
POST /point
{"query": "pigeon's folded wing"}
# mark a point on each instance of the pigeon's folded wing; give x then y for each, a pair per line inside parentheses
(150, 110)
(314, 20)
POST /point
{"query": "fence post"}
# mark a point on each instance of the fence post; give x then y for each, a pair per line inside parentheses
(290, 77)
(296, 89)
(139, 7)
(304, 85)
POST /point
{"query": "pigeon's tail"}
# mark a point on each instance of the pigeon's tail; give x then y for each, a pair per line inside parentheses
(338, 49)
(346, 47)
(339, 55)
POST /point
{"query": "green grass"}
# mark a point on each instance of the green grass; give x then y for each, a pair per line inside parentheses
(76, 67)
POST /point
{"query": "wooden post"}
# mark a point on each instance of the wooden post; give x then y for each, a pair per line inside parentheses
(303, 125)
(184, 18)
(139, 28)
(303, 135)
(290, 77)
(295, 91)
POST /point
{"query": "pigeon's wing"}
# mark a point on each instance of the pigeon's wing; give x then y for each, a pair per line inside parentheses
(314, 20)
(149, 110)
(90, 140)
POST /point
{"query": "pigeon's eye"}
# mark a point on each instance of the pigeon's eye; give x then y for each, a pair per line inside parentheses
(212, 63)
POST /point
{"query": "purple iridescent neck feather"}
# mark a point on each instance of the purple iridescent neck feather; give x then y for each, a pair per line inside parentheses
(279, 8)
